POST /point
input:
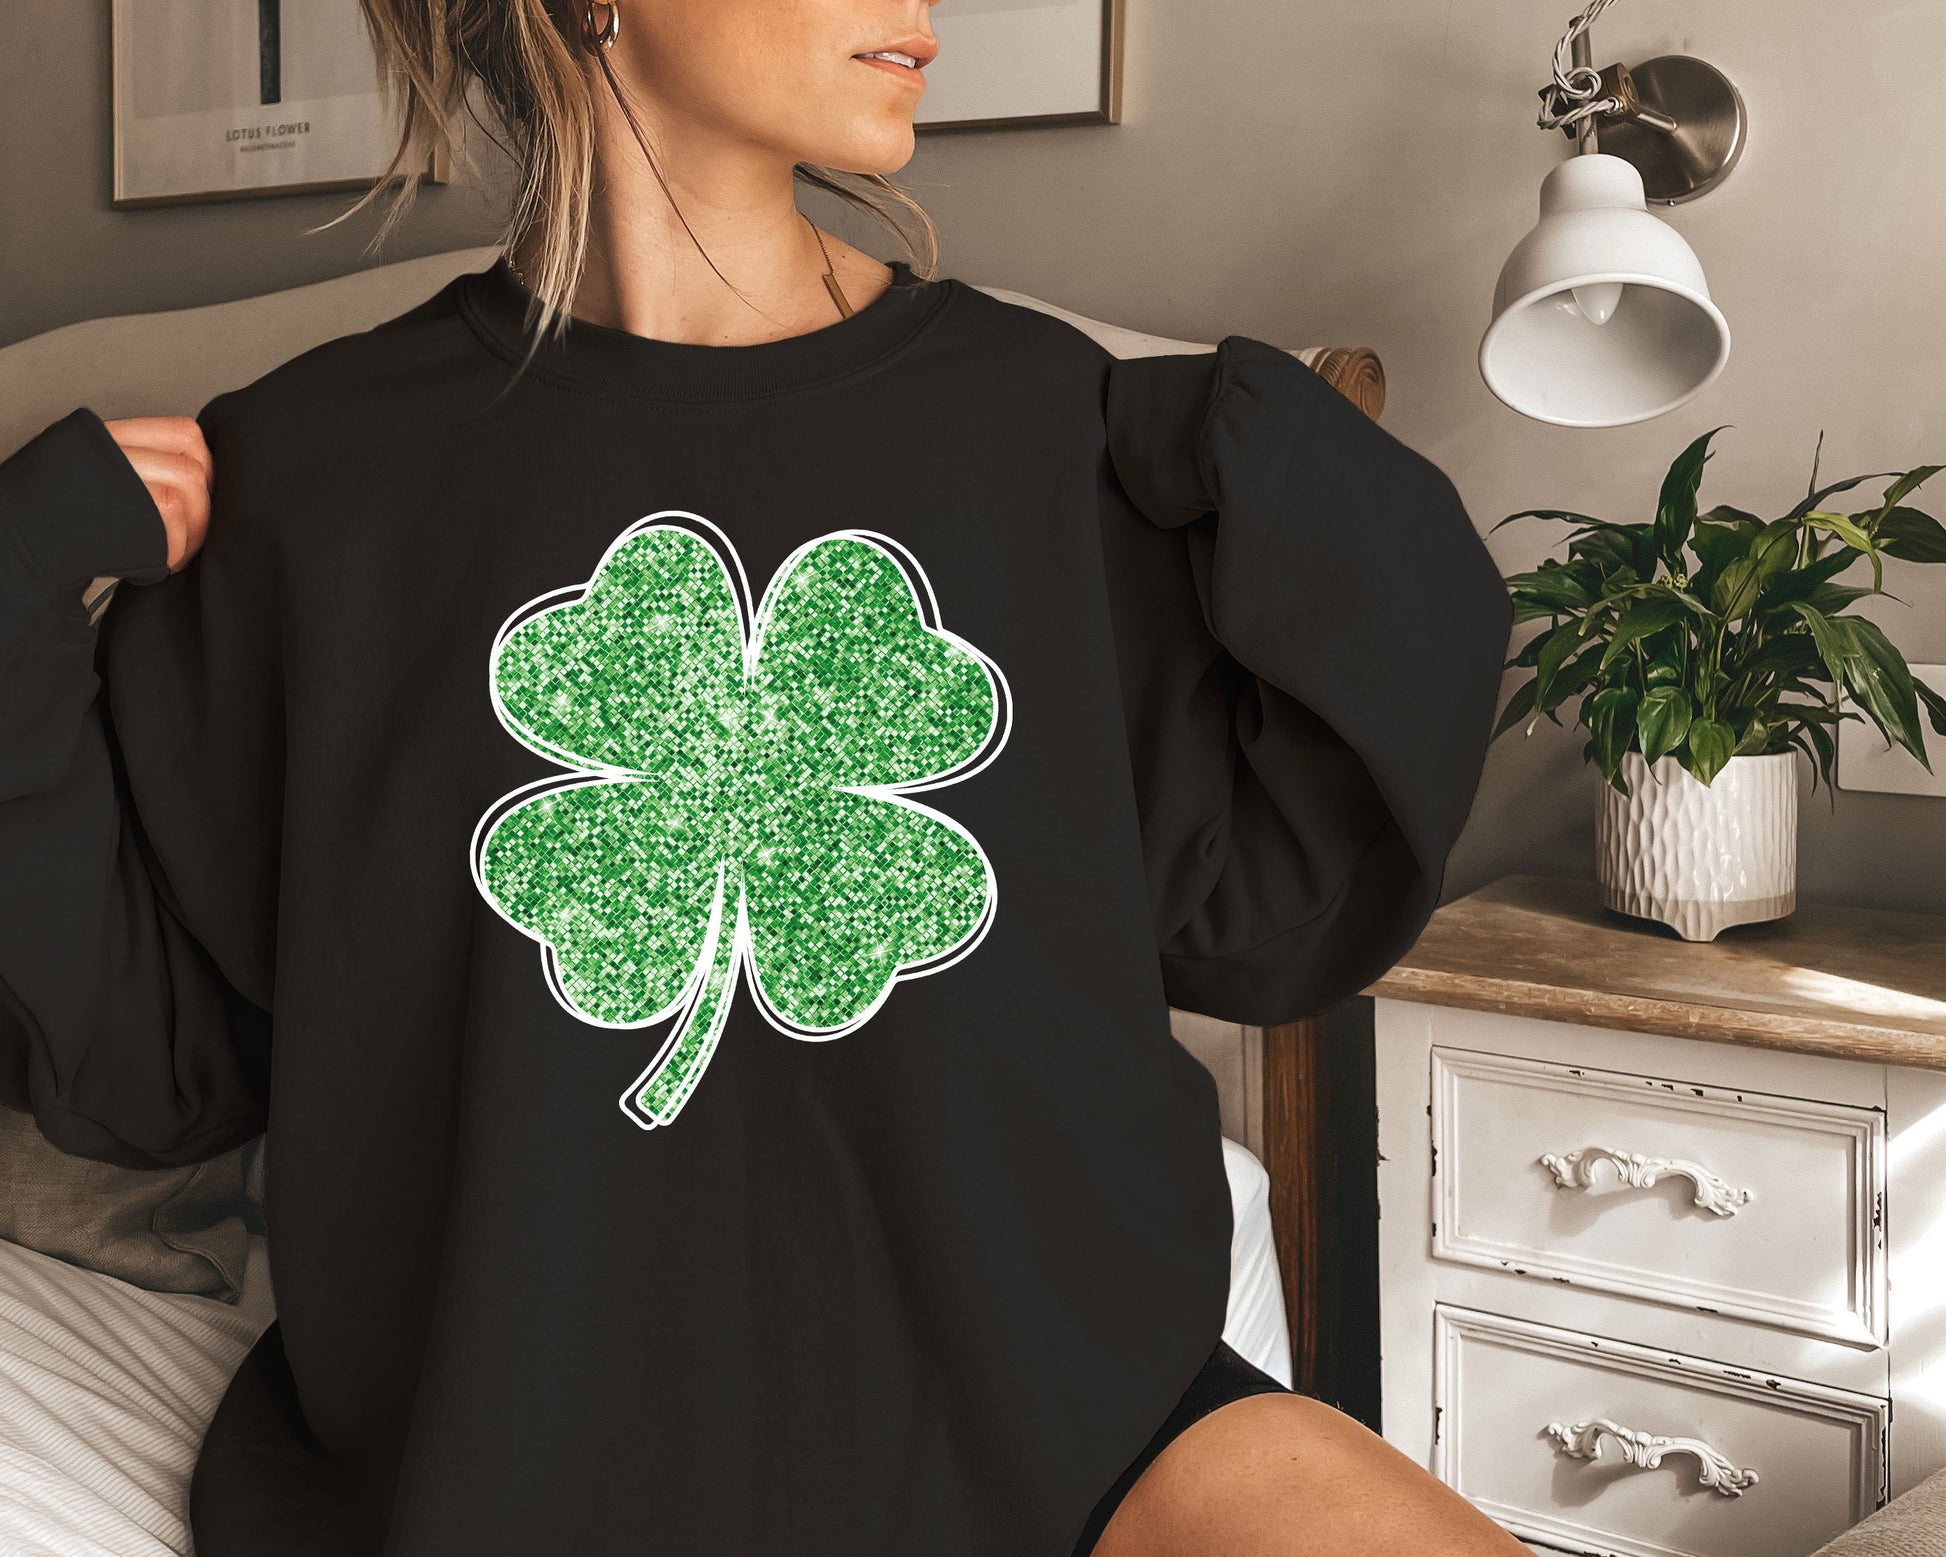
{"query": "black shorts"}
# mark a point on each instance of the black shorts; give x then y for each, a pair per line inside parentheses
(1227, 1376)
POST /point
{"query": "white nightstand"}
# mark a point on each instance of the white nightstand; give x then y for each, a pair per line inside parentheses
(1663, 1224)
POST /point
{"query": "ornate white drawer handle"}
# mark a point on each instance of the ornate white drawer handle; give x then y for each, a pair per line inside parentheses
(1576, 1170)
(1583, 1442)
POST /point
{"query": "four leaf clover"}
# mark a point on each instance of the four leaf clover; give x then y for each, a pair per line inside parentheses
(737, 800)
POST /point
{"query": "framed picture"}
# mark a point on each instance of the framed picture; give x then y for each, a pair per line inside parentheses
(222, 99)
(1012, 62)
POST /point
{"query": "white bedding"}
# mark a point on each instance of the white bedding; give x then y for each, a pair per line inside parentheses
(105, 1389)
(1255, 1325)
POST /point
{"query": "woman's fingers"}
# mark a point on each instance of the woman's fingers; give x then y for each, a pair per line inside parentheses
(173, 460)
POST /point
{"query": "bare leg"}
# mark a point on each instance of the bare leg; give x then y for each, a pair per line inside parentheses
(1287, 1476)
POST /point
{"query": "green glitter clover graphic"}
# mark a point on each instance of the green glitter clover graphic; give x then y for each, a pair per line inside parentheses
(738, 789)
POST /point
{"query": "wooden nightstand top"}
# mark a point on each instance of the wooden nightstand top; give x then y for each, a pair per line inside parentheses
(1859, 983)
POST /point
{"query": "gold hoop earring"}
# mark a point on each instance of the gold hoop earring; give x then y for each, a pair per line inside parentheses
(606, 35)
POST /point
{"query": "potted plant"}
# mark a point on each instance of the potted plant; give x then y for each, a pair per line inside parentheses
(1704, 649)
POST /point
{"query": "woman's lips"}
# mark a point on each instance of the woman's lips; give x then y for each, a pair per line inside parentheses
(891, 67)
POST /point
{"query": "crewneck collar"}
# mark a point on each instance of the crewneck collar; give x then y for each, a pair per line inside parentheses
(617, 362)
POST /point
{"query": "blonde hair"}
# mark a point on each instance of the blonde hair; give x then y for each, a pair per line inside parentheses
(529, 58)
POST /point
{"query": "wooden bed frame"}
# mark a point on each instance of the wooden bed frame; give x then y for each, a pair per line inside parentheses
(1299, 1158)
(1354, 371)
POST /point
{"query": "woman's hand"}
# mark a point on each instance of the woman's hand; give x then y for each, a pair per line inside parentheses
(169, 454)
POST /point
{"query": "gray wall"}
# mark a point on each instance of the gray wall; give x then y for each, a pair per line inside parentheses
(67, 254)
(1316, 173)
(1312, 173)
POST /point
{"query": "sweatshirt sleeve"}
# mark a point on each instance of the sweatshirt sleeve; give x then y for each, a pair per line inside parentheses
(1310, 635)
(139, 796)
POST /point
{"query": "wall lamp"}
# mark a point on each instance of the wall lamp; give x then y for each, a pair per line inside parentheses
(1602, 315)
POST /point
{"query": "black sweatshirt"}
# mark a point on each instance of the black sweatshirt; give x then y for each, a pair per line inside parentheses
(690, 858)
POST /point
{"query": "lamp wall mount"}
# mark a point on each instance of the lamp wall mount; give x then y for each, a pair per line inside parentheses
(1679, 120)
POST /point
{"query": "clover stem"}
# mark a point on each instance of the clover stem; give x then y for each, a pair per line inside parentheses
(658, 1094)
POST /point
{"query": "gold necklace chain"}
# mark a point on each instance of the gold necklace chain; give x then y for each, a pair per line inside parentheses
(830, 275)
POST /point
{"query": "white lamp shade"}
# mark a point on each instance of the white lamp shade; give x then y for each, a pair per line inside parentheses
(1597, 252)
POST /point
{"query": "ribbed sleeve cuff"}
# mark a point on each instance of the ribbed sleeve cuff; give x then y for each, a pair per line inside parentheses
(76, 510)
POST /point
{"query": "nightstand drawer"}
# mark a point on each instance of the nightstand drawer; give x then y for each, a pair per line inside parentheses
(1598, 1446)
(1751, 1205)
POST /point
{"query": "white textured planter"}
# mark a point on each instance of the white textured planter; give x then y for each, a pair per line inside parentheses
(1700, 857)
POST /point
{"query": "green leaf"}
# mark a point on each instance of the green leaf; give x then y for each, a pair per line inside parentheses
(1798, 583)
(1797, 739)
(1908, 534)
(1833, 598)
(1880, 679)
(1665, 670)
(1575, 675)
(1530, 651)
(1557, 513)
(1907, 484)
(1935, 705)
(1841, 526)
(1675, 513)
(1711, 743)
(1558, 585)
(1519, 706)
(1661, 722)
(1822, 755)
(1611, 722)
(1559, 646)
(1822, 713)
(1609, 548)
(1779, 656)
(1737, 588)
(1755, 737)
(1641, 538)
(1650, 614)
(1834, 648)
(1815, 498)
(1827, 749)
(1716, 546)
(1733, 518)
(1774, 548)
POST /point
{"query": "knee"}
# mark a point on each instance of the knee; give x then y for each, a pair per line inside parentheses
(1288, 1476)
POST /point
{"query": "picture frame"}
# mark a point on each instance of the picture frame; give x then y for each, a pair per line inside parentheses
(230, 99)
(1009, 63)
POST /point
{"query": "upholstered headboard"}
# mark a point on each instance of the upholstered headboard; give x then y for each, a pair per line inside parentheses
(171, 363)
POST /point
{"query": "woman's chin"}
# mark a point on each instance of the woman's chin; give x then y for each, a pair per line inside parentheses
(882, 147)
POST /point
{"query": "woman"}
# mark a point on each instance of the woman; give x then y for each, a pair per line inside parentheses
(822, 709)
